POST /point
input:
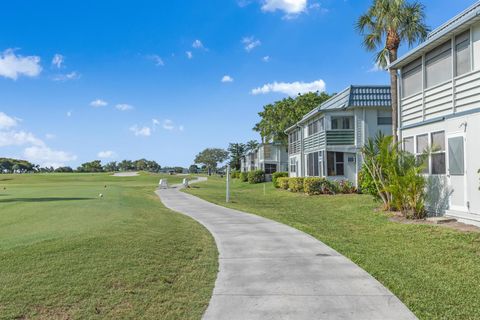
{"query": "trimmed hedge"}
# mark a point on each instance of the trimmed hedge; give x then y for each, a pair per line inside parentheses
(257, 176)
(315, 186)
(296, 184)
(283, 183)
(277, 175)
(243, 176)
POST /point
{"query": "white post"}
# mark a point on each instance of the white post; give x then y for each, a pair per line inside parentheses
(228, 184)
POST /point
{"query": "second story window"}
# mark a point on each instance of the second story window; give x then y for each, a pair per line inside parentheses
(342, 123)
(412, 78)
(462, 53)
(384, 118)
(438, 65)
(315, 126)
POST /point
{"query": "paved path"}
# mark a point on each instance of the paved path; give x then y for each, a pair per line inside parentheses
(125, 174)
(271, 271)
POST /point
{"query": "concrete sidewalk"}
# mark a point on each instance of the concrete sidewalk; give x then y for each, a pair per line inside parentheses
(271, 271)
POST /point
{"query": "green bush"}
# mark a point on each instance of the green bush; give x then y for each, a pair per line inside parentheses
(257, 176)
(235, 174)
(296, 184)
(282, 183)
(366, 183)
(243, 176)
(315, 186)
(277, 175)
(346, 187)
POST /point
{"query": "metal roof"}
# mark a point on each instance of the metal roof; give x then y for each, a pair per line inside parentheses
(457, 24)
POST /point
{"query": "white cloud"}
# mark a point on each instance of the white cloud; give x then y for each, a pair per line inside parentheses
(69, 113)
(58, 60)
(19, 138)
(375, 68)
(155, 122)
(6, 121)
(98, 103)
(266, 59)
(227, 78)
(250, 43)
(66, 76)
(197, 44)
(181, 128)
(290, 89)
(168, 124)
(290, 7)
(107, 154)
(141, 131)
(12, 66)
(157, 60)
(124, 107)
(50, 136)
(189, 54)
(48, 157)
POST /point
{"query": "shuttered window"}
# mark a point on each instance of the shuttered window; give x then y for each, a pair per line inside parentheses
(438, 65)
(463, 54)
(412, 78)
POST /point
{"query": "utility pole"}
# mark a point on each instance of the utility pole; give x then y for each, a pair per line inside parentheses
(228, 184)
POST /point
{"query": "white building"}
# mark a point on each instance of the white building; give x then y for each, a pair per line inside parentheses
(327, 141)
(440, 109)
(269, 157)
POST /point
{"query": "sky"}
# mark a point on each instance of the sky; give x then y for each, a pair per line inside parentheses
(111, 80)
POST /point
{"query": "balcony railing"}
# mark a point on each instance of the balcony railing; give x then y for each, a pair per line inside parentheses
(340, 137)
(314, 141)
(294, 147)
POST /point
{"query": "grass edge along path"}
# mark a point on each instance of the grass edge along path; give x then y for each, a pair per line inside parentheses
(65, 253)
(435, 271)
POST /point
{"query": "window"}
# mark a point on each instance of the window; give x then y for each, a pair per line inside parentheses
(438, 153)
(422, 147)
(315, 126)
(438, 65)
(342, 123)
(267, 151)
(412, 78)
(335, 163)
(312, 165)
(462, 52)
(293, 165)
(456, 161)
(408, 145)
(270, 168)
(384, 118)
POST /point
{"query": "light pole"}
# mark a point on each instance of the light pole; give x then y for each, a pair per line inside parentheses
(228, 184)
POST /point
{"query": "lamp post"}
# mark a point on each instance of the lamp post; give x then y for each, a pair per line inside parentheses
(227, 199)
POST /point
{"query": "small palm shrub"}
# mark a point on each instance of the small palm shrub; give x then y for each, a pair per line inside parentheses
(282, 183)
(316, 186)
(366, 183)
(277, 175)
(257, 176)
(243, 176)
(295, 184)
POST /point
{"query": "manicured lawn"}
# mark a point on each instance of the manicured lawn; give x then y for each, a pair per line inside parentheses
(435, 271)
(65, 253)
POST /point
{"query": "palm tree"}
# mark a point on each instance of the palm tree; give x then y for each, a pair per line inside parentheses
(386, 25)
(251, 145)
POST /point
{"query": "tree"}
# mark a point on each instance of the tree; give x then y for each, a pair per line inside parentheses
(280, 115)
(64, 169)
(237, 151)
(193, 169)
(92, 166)
(251, 145)
(386, 25)
(211, 157)
(126, 165)
(111, 166)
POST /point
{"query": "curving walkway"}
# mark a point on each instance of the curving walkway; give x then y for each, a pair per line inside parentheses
(271, 271)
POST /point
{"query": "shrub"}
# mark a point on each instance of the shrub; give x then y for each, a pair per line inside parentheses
(277, 175)
(243, 176)
(257, 176)
(315, 186)
(282, 183)
(346, 187)
(366, 183)
(235, 174)
(296, 184)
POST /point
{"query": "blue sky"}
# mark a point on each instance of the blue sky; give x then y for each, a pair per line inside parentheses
(109, 80)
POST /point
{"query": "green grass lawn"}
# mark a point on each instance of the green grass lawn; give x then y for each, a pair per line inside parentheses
(65, 253)
(435, 271)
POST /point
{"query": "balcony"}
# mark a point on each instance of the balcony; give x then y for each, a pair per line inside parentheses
(294, 147)
(314, 142)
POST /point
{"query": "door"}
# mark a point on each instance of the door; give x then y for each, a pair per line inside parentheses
(457, 172)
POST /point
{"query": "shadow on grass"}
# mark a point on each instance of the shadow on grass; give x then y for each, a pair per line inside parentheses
(50, 199)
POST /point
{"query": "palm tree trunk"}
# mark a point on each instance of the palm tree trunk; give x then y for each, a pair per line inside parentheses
(394, 90)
